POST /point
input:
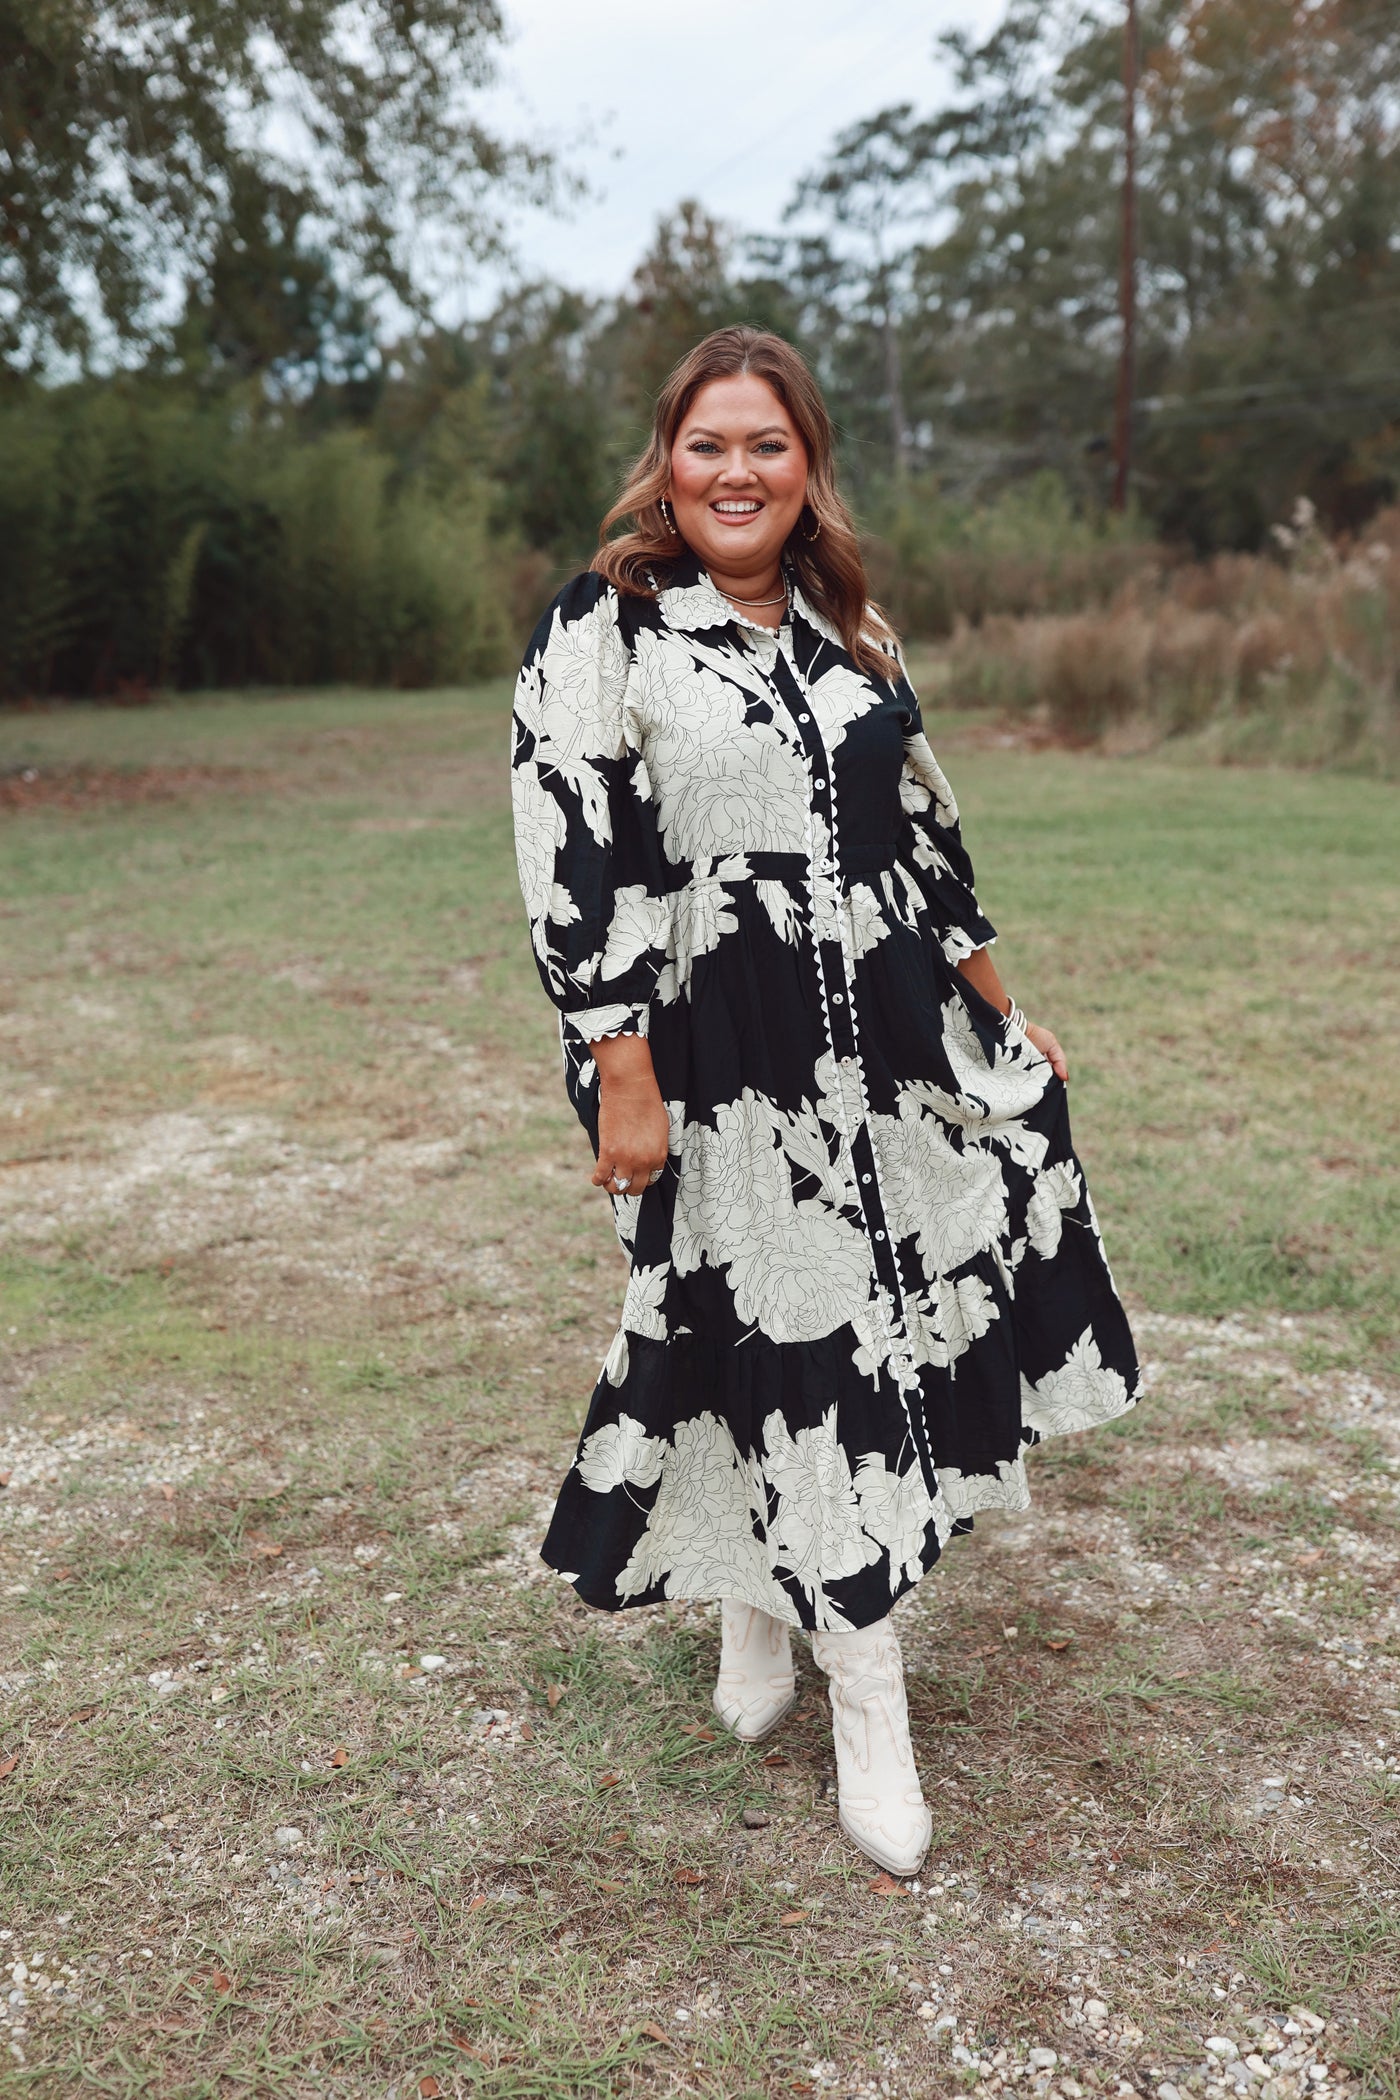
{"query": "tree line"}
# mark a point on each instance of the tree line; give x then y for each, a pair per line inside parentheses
(236, 445)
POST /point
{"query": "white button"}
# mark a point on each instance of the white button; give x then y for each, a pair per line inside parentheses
(838, 998)
(819, 783)
(879, 1235)
(804, 718)
(866, 1179)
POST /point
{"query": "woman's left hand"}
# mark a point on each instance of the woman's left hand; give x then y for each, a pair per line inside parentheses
(1047, 1043)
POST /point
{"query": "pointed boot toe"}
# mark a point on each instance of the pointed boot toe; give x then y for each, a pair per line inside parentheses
(880, 1802)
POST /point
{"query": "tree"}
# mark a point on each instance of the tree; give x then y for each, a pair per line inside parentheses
(878, 178)
(129, 131)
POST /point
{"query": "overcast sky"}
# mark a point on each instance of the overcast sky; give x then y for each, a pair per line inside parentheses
(729, 101)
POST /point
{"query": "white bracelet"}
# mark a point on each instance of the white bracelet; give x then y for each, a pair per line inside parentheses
(1016, 1018)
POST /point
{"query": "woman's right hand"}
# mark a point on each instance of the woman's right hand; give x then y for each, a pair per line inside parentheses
(634, 1131)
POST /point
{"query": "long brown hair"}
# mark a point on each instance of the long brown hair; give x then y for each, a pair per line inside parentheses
(822, 552)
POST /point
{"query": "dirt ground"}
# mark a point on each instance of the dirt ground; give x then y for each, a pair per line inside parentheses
(314, 1782)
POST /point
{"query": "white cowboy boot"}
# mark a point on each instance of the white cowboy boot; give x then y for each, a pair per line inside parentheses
(756, 1685)
(881, 1803)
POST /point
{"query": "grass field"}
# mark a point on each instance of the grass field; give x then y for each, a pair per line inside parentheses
(314, 1784)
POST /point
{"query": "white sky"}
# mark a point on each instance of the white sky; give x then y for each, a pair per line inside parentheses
(729, 101)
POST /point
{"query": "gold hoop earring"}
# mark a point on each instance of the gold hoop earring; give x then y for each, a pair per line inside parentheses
(816, 532)
(670, 521)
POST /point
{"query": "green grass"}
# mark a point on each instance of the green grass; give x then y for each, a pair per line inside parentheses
(302, 1289)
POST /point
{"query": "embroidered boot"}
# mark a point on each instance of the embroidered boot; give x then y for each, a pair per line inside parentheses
(881, 1804)
(756, 1685)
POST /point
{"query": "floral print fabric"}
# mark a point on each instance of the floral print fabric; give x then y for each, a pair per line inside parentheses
(870, 1278)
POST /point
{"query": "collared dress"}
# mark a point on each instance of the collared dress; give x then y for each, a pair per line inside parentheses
(870, 1278)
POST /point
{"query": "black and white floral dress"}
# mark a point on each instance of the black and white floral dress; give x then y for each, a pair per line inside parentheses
(870, 1277)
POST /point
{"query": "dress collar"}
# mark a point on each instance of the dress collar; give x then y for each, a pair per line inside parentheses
(690, 604)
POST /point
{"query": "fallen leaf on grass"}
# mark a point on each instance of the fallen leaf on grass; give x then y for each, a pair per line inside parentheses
(775, 1757)
(1308, 1560)
(221, 1983)
(429, 2089)
(609, 1779)
(408, 1935)
(64, 1574)
(4, 1480)
(82, 1713)
(616, 1837)
(553, 1694)
(339, 1757)
(688, 1878)
(264, 1549)
(8, 1764)
(527, 1733)
(1057, 1647)
(793, 1917)
(459, 2041)
(613, 1888)
(698, 1730)
(654, 2033)
(476, 1902)
(886, 1885)
(167, 1491)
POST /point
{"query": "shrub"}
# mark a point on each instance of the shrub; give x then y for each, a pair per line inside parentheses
(1291, 657)
(935, 563)
(159, 541)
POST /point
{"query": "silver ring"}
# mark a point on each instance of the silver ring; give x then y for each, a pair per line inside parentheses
(621, 1183)
(653, 1177)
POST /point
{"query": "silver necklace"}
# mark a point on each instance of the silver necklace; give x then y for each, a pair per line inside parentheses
(781, 598)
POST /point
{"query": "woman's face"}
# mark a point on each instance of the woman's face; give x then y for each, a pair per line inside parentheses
(738, 476)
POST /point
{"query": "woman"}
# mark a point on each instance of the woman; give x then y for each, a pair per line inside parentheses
(865, 1272)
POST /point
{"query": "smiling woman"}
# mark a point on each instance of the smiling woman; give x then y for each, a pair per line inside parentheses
(865, 1272)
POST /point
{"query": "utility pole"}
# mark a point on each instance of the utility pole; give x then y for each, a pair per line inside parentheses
(1127, 268)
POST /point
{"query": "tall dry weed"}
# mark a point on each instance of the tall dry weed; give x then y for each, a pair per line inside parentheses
(1293, 655)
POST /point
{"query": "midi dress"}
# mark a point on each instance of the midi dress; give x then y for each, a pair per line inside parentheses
(870, 1277)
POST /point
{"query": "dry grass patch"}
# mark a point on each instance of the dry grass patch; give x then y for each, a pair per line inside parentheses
(322, 1787)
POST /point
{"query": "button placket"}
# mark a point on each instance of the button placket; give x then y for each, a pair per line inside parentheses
(841, 1032)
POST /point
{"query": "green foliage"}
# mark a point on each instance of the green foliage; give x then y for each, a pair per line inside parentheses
(282, 492)
(157, 538)
(127, 148)
(936, 560)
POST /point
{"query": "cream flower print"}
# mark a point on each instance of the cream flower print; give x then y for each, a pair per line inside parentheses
(839, 696)
(748, 795)
(865, 921)
(620, 1451)
(539, 833)
(952, 1202)
(639, 922)
(1084, 1391)
(1006, 1487)
(784, 911)
(834, 1344)
(699, 1535)
(816, 1529)
(966, 1309)
(643, 1308)
(896, 1510)
(581, 670)
(1057, 1190)
(797, 1270)
(703, 916)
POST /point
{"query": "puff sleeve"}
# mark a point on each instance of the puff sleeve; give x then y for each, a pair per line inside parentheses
(932, 851)
(586, 839)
